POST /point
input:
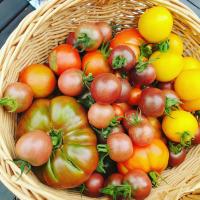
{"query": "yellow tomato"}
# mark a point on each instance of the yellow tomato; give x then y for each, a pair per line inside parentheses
(175, 44)
(155, 24)
(191, 106)
(178, 123)
(167, 65)
(190, 63)
(187, 85)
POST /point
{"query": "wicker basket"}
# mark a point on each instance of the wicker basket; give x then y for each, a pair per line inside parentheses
(32, 41)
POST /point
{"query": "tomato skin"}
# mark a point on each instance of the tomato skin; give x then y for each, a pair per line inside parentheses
(71, 39)
(124, 106)
(118, 111)
(153, 157)
(166, 85)
(34, 147)
(120, 147)
(175, 44)
(167, 66)
(114, 179)
(177, 159)
(63, 113)
(131, 36)
(154, 122)
(196, 139)
(105, 30)
(64, 57)
(135, 95)
(70, 82)
(177, 123)
(152, 21)
(106, 88)
(125, 91)
(21, 93)
(135, 49)
(95, 62)
(94, 185)
(140, 182)
(190, 63)
(40, 78)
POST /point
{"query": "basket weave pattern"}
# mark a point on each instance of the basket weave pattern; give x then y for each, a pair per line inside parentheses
(31, 43)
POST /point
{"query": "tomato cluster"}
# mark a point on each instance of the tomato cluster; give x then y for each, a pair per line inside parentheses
(108, 114)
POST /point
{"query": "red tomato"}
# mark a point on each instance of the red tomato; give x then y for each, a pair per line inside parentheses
(176, 159)
(64, 57)
(166, 85)
(118, 111)
(40, 78)
(106, 88)
(105, 30)
(131, 36)
(135, 95)
(124, 106)
(71, 39)
(135, 49)
(96, 63)
(196, 139)
(117, 129)
(114, 179)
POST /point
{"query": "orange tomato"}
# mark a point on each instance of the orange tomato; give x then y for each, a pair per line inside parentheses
(124, 106)
(192, 105)
(135, 95)
(153, 157)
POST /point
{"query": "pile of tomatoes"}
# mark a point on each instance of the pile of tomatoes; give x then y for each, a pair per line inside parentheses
(110, 111)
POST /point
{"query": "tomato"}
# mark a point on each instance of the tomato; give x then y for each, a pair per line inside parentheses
(125, 91)
(100, 115)
(167, 65)
(75, 157)
(17, 97)
(140, 183)
(120, 147)
(70, 82)
(94, 185)
(105, 30)
(64, 57)
(141, 134)
(122, 57)
(190, 63)
(40, 78)
(155, 24)
(135, 49)
(115, 179)
(88, 36)
(135, 95)
(196, 139)
(153, 157)
(175, 44)
(96, 63)
(144, 76)
(187, 85)
(106, 88)
(127, 36)
(154, 122)
(180, 126)
(71, 39)
(34, 147)
(166, 85)
(118, 112)
(152, 102)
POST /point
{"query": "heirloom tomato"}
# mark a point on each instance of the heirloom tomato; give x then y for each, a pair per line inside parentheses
(106, 31)
(74, 156)
(153, 157)
(190, 63)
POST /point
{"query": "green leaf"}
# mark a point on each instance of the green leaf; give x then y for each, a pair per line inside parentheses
(175, 148)
(186, 140)
(171, 104)
(23, 165)
(105, 49)
(163, 46)
(10, 103)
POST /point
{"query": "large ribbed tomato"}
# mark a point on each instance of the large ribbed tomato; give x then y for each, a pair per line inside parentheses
(76, 157)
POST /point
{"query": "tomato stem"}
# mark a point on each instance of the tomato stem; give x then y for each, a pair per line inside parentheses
(186, 140)
(87, 79)
(154, 176)
(171, 104)
(105, 50)
(135, 118)
(145, 50)
(10, 103)
(175, 148)
(118, 62)
(101, 165)
(142, 65)
(22, 164)
(83, 41)
(86, 100)
(163, 46)
(56, 138)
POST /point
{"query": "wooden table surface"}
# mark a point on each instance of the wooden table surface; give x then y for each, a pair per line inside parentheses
(11, 13)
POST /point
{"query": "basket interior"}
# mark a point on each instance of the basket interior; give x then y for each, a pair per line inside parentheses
(32, 43)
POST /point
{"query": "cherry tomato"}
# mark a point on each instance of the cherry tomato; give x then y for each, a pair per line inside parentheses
(40, 78)
(94, 185)
(140, 182)
(118, 112)
(114, 179)
(100, 115)
(70, 82)
(135, 49)
(71, 38)
(117, 129)
(166, 85)
(125, 92)
(141, 134)
(176, 159)
(154, 122)
(34, 147)
(135, 95)
(120, 147)
(196, 139)
(105, 30)
(96, 63)
(170, 94)
(64, 57)
(124, 106)
(106, 88)
(175, 44)
(131, 36)
(88, 36)
(17, 97)
(144, 77)
(190, 63)
(122, 57)
(152, 102)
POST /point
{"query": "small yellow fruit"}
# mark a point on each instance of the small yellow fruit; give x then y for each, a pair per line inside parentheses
(190, 63)
(175, 44)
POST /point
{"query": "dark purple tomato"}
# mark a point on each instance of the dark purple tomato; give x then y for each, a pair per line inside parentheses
(105, 30)
(166, 85)
(94, 185)
(71, 38)
(106, 88)
(114, 179)
(152, 102)
(176, 159)
(144, 77)
(125, 92)
(122, 57)
(140, 182)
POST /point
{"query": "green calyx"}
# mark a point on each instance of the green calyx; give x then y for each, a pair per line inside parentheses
(186, 140)
(9, 103)
(134, 119)
(115, 191)
(145, 50)
(87, 79)
(142, 65)
(175, 148)
(86, 100)
(83, 41)
(56, 138)
(171, 104)
(119, 62)
(105, 50)
(163, 46)
(23, 165)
